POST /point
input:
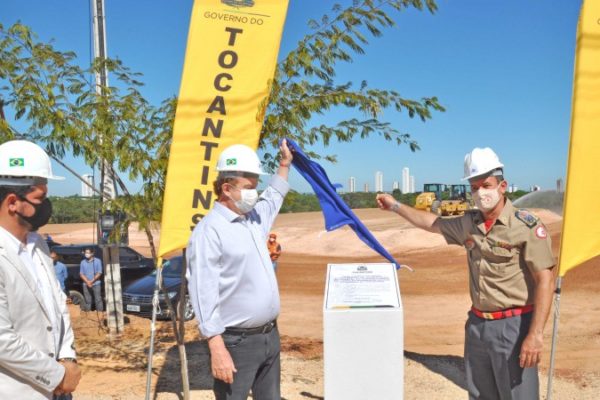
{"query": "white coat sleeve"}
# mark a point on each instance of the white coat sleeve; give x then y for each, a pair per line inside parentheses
(18, 357)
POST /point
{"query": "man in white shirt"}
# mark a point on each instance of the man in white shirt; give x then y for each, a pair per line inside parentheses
(37, 356)
(231, 279)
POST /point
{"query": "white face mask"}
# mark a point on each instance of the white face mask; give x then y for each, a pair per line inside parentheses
(486, 199)
(248, 200)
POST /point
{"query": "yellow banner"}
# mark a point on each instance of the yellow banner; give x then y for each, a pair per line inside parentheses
(581, 223)
(230, 59)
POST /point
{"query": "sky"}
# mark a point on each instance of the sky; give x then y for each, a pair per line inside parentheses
(502, 69)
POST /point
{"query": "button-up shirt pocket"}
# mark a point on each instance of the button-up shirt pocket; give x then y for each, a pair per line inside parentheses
(500, 261)
(499, 255)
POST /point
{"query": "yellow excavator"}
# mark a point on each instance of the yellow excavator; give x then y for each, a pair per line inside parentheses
(444, 200)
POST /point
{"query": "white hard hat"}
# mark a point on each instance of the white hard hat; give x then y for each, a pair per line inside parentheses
(480, 162)
(239, 158)
(21, 162)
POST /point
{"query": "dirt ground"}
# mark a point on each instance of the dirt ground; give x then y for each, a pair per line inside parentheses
(434, 298)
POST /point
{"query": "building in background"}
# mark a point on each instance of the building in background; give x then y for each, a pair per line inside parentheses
(405, 180)
(559, 181)
(395, 185)
(351, 185)
(512, 188)
(366, 188)
(379, 181)
(87, 191)
(411, 187)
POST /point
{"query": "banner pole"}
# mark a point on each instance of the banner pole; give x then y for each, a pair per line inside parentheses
(554, 336)
(181, 332)
(157, 284)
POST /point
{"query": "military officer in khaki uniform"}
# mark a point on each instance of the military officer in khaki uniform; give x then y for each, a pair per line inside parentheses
(511, 281)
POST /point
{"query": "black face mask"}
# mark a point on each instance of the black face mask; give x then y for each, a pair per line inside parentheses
(41, 216)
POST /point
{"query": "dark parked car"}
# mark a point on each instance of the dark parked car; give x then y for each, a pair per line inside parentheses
(133, 266)
(137, 297)
(50, 242)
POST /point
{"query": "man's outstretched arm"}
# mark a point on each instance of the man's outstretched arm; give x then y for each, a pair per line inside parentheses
(419, 218)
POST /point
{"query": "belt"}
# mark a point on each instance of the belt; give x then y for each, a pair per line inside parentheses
(509, 312)
(266, 328)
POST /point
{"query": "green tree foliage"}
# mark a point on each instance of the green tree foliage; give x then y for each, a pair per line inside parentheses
(515, 195)
(74, 209)
(406, 198)
(360, 199)
(302, 202)
(46, 88)
(305, 83)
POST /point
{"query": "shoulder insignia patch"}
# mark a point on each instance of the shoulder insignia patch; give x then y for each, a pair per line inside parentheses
(527, 218)
(540, 232)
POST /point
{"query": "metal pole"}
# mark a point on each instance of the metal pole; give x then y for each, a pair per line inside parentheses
(554, 336)
(114, 304)
(71, 170)
(157, 284)
(107, 185)
(182, 353)
(180, 339)
(112, 288)
(116, 291)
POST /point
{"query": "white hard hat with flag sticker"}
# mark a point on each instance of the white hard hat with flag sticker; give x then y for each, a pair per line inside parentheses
(239, 158)
(24, 163)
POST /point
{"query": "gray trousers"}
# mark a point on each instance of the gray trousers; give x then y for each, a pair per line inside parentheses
(97, 290)
(492, 349)
(256, 358)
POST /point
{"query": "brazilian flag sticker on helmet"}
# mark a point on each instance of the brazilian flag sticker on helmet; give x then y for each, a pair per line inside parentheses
(231, 161)
(16, 162)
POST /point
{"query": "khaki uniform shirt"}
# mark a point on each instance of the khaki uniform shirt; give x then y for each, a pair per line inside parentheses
(502, 260)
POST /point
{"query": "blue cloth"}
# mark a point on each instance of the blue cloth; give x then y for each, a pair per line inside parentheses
(89, 269)
(335, 210)
(61, 273)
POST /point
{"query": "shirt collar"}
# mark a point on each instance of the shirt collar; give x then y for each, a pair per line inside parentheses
(507, 211)
(228, 214)
(16, 245)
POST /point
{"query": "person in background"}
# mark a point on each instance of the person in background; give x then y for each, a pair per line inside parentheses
(90, 271)
(511, 281)
(61, 271)
(274, 249)
(37, 353)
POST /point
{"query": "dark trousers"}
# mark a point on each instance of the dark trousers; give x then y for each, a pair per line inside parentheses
(87, 294)
(492, 349)
(256, 358)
